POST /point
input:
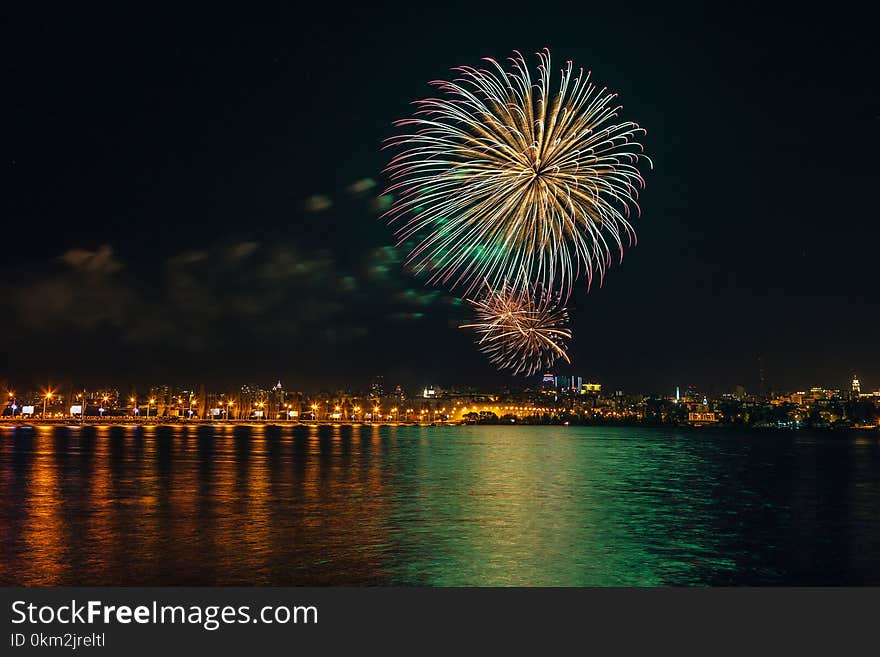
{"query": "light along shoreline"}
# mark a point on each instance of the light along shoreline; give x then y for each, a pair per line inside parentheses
(208, 423)
(131, 424)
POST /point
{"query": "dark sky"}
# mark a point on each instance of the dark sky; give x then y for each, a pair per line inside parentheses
(188, 193)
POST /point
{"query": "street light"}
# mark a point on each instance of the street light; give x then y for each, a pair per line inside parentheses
(150, 402)
(48, 396)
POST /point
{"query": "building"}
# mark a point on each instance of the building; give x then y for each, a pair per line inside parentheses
(377, 389)
(698, 418)
(277, 399)
(162, 399)
(817, 393)
(700, 415)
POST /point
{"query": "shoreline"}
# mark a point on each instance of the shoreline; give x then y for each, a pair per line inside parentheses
(128, 424)
(208, 423)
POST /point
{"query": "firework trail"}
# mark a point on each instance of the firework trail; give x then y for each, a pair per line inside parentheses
(501, 175)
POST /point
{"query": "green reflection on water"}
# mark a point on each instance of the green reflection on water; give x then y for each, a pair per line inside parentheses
(552, 507)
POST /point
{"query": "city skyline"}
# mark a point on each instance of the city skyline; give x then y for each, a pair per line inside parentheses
(380, 387)
(560, 399)
(761, 382)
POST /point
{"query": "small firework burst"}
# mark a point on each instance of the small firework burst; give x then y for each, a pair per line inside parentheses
(521, 329)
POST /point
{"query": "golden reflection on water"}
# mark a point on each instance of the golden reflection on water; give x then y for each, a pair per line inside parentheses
(40, 536)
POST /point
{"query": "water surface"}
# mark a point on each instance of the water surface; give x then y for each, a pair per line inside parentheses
(483, 505)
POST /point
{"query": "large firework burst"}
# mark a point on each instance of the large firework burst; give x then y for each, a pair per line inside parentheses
(503, 174)
(522, 329)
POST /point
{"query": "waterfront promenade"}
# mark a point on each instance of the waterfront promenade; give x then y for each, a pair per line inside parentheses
(174, 422)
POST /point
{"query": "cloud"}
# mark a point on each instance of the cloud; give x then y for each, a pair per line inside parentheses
(318, 203)
(245, 293)
(86, 295)
(241, 250)
(188, 257)
(100, 261)
(382, 203)
(361, 186)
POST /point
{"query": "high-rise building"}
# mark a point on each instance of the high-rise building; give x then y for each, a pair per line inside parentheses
(377, 388)
(249, 396)
(856, 387)
(161, 396)
(276, 400)
(762, 378)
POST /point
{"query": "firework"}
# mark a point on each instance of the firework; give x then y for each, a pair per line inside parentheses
(522, 329)
(502, 174)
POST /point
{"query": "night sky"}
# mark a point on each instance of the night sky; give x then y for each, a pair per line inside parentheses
(191, 193)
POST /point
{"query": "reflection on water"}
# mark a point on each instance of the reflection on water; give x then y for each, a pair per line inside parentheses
(436, 506)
